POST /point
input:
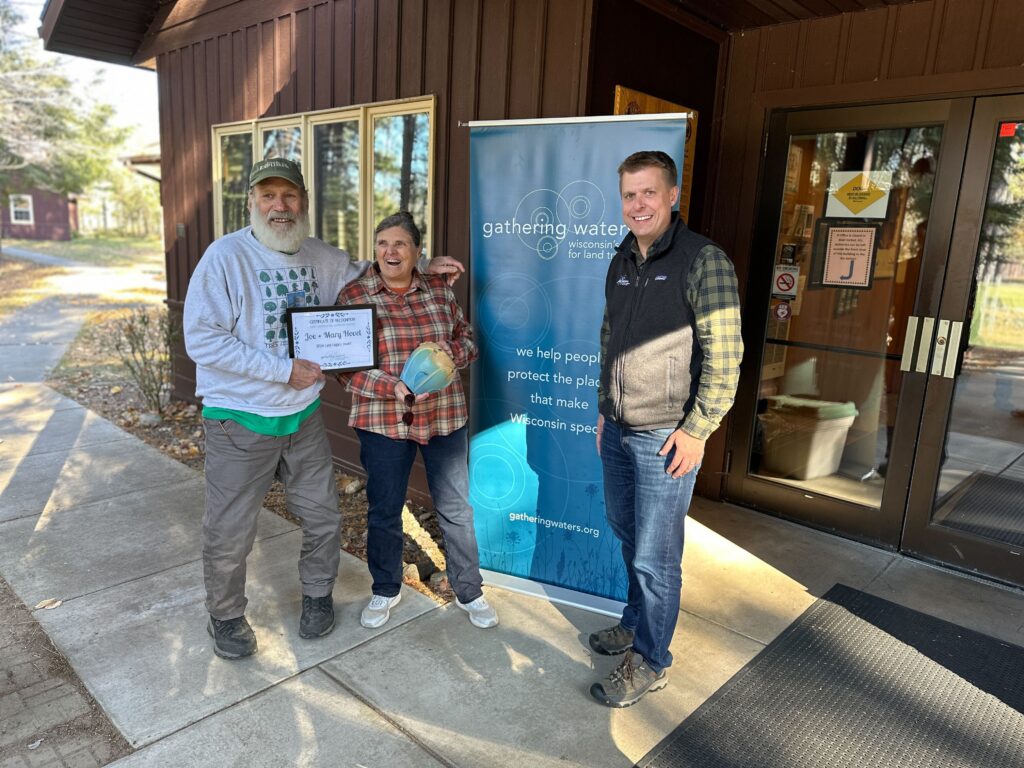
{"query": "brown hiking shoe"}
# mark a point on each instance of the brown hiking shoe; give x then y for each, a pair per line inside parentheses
(627, 683)
(612, 641)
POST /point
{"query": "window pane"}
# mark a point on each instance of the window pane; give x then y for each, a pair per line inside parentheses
(830, 377)
(336, 153)
(21, 208)
(236, 162)
(400, 167)
(283, 142)
(983, 458)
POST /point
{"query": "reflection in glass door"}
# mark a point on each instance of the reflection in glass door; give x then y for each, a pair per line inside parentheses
(980, 490)
(847, 259)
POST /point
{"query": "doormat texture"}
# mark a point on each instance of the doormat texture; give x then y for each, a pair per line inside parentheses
(858, 681)
(990, 507)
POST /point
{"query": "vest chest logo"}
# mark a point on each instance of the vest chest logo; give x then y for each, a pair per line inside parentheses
(623, 280)
(660, 277)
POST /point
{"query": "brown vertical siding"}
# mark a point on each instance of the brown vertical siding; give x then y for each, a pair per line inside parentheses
(865, 45)
(818, 60)
(493, 67)
(323, 54)
(960, 22)
(527, 59)
(387, 40)
(1005, 32)
(910, 45)
(240, 61)
(344, 26)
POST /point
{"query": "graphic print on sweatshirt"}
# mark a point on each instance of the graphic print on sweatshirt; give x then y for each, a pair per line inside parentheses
(281, 288)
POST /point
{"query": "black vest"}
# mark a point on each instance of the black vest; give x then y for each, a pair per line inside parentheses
(652, 363)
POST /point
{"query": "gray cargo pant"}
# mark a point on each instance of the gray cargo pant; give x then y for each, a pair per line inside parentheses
(240, 466)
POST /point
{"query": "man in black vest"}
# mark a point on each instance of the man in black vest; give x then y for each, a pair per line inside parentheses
(671, 350)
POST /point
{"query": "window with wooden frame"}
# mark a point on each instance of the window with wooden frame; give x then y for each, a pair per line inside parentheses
(360, 164)
(21, 210)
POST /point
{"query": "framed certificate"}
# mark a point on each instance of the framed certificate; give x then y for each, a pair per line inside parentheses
(336, 338)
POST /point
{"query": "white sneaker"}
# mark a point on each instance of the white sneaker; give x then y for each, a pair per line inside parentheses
(481, 614)
(378, 611)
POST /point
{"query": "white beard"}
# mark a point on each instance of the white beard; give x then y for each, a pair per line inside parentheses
(285, 242)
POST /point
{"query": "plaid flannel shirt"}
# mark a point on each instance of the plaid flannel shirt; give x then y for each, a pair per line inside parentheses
(713, 294)
(428, 311)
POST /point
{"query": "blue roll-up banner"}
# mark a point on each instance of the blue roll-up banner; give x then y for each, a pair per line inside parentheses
(546, 219)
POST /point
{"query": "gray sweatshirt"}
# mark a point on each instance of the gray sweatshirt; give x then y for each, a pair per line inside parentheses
(234, 319)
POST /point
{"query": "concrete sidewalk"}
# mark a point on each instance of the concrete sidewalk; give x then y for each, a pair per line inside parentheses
(91, 516)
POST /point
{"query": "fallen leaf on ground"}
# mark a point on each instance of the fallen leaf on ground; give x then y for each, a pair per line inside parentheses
(48, 603)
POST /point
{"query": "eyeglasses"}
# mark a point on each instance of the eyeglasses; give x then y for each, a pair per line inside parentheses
(408, 417)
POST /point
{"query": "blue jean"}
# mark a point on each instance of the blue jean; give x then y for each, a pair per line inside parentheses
(646, 510)
(388, 463)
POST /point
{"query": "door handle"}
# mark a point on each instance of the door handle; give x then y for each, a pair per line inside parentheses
(927, 330)
(953, 349)
(941, 347)
(909, 337)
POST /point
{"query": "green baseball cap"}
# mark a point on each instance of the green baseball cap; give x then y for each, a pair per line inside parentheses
(276, 168)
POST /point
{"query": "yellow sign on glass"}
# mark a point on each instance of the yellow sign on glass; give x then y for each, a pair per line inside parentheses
(859, 194)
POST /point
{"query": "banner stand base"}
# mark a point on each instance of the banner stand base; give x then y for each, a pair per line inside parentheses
(554, 594)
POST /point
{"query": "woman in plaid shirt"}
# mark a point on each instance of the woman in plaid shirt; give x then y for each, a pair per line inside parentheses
(392, 423)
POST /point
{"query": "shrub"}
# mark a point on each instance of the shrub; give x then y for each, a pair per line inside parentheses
(143, 341)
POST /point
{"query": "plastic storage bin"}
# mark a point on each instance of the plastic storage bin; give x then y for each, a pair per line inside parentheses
(804, 438)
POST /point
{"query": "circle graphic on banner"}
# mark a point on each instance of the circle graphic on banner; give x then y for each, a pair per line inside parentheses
(783, 310)
(501, 482)
(547, 247)
(513, 311)
(583, 199)
(542, 210)
(548, 214)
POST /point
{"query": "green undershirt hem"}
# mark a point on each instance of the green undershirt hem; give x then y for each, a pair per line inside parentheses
(277, 426)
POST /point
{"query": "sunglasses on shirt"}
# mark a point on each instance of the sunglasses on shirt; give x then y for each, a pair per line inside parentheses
(408, 417)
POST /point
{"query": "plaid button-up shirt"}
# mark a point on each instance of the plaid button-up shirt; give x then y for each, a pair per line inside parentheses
(428, 311)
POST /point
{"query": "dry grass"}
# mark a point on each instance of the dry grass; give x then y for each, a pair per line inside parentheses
(100, 250)
(24, 283)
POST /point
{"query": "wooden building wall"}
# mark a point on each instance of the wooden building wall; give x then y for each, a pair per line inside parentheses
(929, 49)
(220, 62)
(51, 216)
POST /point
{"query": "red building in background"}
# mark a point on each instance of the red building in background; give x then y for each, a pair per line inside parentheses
(38, 214)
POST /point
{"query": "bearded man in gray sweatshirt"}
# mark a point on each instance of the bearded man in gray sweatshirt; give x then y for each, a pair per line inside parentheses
(261, 409)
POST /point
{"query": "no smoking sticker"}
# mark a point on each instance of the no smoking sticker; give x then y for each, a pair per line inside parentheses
(785, 281)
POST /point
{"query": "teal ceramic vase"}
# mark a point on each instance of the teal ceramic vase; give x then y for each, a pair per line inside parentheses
(428, 369)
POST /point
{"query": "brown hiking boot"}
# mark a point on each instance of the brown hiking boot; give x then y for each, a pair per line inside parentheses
(627, 683)
(612, 641)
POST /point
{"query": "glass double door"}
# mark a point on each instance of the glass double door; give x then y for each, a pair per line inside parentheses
(882, 396)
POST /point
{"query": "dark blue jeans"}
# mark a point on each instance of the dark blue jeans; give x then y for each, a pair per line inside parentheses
(646, 510)
(388, 463)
